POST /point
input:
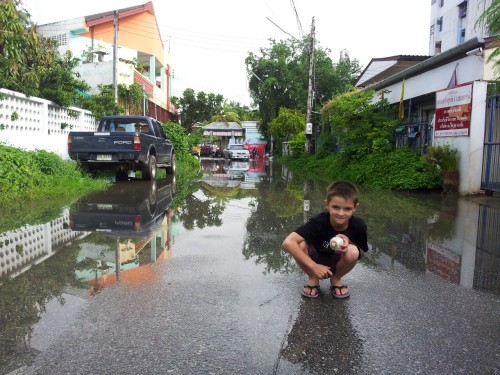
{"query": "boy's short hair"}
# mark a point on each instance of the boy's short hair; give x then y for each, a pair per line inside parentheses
(344, 189)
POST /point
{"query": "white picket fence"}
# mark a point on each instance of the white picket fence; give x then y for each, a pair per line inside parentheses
(32, 123)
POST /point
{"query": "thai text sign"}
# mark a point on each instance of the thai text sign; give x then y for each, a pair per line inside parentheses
(453, 111)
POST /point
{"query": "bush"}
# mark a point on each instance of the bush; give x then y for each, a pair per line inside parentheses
(400, 169)
(444, 156)
(297, 144)
(178, 137)
(30, 175)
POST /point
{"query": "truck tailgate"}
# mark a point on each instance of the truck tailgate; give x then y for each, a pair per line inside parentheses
(101, 142)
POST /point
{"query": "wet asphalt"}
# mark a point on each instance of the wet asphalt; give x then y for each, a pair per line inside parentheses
(208, 310)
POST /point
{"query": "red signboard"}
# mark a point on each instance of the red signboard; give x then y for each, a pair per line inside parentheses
(453, 111)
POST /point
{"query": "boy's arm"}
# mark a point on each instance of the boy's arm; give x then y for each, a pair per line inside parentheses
(292, 245)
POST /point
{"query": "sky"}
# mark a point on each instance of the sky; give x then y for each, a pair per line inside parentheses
(208, 41)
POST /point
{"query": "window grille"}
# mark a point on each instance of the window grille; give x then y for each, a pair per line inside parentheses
(61, 39)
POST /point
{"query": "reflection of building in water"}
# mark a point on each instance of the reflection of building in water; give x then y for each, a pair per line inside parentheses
(471, 256)
(129, 261)
(457, 239)
(32, 244)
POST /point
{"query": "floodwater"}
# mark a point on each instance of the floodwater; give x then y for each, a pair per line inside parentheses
(169, 278)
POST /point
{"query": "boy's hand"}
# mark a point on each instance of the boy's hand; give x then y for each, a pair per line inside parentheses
(321, 271)
(343, 247)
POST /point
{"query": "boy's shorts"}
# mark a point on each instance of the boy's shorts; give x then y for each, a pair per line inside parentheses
(327, 259)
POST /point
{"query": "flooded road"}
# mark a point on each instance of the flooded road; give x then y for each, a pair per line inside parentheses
(166, 278)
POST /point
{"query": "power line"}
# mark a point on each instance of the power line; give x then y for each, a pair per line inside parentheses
(286, 32)
(232, 45)
(299, 24)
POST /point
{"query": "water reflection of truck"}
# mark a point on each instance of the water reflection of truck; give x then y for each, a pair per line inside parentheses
(128, 229)
(131, 208)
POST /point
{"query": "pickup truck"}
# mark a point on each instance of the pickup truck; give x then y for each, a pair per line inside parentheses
(122, 144)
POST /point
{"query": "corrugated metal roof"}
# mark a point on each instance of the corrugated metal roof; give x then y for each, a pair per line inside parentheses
(222, 126)
(399, 63)
(431, 63)
(97, 18)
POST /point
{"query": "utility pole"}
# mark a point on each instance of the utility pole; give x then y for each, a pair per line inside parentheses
(310, 94)
(115, 53)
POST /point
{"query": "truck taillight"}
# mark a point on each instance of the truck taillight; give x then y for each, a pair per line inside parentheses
(137, 143)
(70, 142)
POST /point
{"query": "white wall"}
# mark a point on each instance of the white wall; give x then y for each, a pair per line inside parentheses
(101, 73)
(471, 147)
(39, 123)
(470, 68)
(453, 24)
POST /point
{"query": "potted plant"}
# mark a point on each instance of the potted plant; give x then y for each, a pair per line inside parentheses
(447, 159)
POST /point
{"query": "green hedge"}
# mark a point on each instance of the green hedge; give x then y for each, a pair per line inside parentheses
(400, 169)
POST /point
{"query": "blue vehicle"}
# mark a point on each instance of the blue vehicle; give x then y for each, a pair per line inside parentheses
(122, 144)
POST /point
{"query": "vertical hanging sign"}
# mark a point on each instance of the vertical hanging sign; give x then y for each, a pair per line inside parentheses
(453, 111)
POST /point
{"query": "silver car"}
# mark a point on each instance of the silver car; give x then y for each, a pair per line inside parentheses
(235, 151)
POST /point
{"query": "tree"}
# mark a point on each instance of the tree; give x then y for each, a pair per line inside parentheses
(21, 57)
(198, 107)
(60, 84)
(244, 113)
(227, 117)
(491, 18)
(30, 63)
(278, 78)
(102, 104)
(287, 124)
(359, 126)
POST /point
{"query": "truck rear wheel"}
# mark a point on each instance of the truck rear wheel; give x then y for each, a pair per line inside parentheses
(149, 170)
(171, 168)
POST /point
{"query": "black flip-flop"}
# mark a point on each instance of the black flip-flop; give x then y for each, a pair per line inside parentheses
(311, 288)
(339, 296)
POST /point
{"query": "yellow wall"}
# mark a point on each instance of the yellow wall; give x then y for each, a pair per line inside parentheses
(138, 32)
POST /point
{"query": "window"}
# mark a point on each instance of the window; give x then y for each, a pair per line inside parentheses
(441, 3)
(440, 24)
(462, 9)
(437, 48)
(461, 37)
(432, 29)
